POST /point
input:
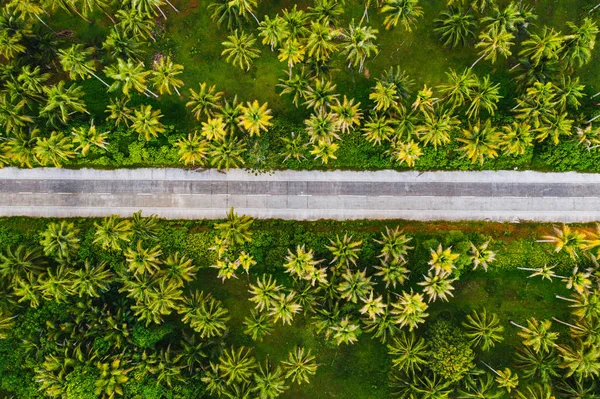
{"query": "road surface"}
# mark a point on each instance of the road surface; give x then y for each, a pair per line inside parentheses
(302, 195)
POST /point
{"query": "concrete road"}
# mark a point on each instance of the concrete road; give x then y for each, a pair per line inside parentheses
(306, 195)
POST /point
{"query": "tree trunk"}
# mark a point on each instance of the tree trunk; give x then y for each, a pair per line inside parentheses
(256, 19)
(172, 6)
(597, 5)
(595, 95)
(516, 66)
(151, 92)
(593, 119)
(490, 367)
(565, 299)
(177, 91)
(567, 324)
(98, 77)
(45, 24)
(78, 13)
(161, 12)
(477, 60)
(518, 325)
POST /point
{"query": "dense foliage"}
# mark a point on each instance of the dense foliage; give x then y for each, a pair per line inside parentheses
(145, 308)
(98, 83)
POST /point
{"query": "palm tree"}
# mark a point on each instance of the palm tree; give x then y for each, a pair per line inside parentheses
(88, 136)
(17, 263)
(544, 47)
(236, 229)
(292, 51)
(12, 118)
(142, 260)
(300, 365)
(297, 85)
(224, 11)
(240, 50)
(244, 7)
(204, 101)
(284, 308)
(481, 256)
(456, 26)
(135, 24)
(112, 233)
(62, 102)
(581, 361)
(359, 44)
(505, 378)
(60, 240)
(437, 286)
(178, 269)
(354, 286)
(236, 365)
(10, 45)
(32, 81)
(384, 95)
(119, 44)
(257, 325)
(537, 334)
(405, 12)
(459, 87)
(347, 114)
(320, 44)
(53, 150)
(479, 142)
(494, 42)
(119, 112)
(442, 260)
(566, 239)
(144, 228)
(146, 122)
(255, 118)
(296, 21)
(227, 153)
(75, 62)
(510, 18)
(405, 152)
(409, 353)
(111, 377)
(373, 307)
(192, 150)
(536, 391)
(346, 331)
(56, 284)
(300, 263)
(484, 95)
(538, 365)
(269, 382)
(568, 93)
(377, 130)
(436, 129)
(327, 11)
(214, 129)
(480, 388)
(410, 310)
(395, 245)
(28, 8)
(579, 44)
(164, 75)
(322, 127)
(545, 271)
(91, 280)
(321, 95)
(128, 75)
(295, 147)
(204, 314)
(345, 251)
(20, 149)
(273, 31)
(515, 138)
(483, 330)
(325, 151)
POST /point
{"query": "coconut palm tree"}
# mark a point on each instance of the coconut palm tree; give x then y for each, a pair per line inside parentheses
(204, 314)
(405, 152)
(545, 47)
(320, 95)
(236, 365)
(456, 26)
(56, 284)
(192, 150)
(581, 361)
(442, 260)
(359, 44)
(516, 138)
(480, 141)
(12, 115)
(437, 286)
(269, 381)
(28, 9)
(484, 95)
(236, 229)
(60, 240)
(483, 329)
(284, 308)
(325, 151)
(384, 95)
(10, 44)
(354, 286)
(17, 263)
(112, 376)
(482, 387)
(505, 378)
(292, 52)
(227, 153)
(409, 353)
(112, 233)
(54, 150)
(459, 87)
(128, 75)
(566, 239)
(32, 81)
(545, 271)
(536, 391)
(300, 365)
(74, 60)
(568, 93)
(300, 263)
(436, 128)
(91, 280)
(297, 85)
(320, 44)
(119, 44)
(178, 269)
(214, 128)
(580, 42)
(88, 136)
(135, 24)
(410, 310)
(142, 260)
(296, 21)
(494, 42)
(164, 76)
(62, 102)
(405, 12)
(294, 147)
(273, 31)
(119, 112)
(373, 307)
(240, 49)
(255, 118)
(146, 122)
(393, 272)
(326, 11)
(395, 245)
(481, 256)
(258, 325)
(20, 149)
(377, 129)
(347, 114)
(346, 331)
(537, 334)
(345, 251)
(509, 18)
(537, 365)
